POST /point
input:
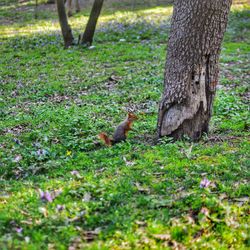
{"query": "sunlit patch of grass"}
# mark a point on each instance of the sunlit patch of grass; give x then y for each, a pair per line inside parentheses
(79, 21)
(240, 5)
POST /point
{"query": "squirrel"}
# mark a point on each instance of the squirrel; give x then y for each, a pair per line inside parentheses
(121, 131)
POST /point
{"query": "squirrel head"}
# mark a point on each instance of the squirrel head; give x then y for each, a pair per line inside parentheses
(132, 117)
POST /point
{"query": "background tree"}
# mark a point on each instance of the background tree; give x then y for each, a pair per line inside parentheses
(87, 37)
(69, 4)
(65, 27)
(191, 73)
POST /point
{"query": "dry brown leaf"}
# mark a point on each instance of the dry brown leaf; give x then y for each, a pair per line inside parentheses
(164, 237)
(142, 189)
(141, 223)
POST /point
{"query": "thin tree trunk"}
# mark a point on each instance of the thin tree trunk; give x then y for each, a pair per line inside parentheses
(87, 37)
(66, 30)
(77, 5)
(191, 73)
(69, 8)
(133, 4)
(36, 6)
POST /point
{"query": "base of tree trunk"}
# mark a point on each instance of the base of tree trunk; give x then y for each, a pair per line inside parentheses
(65, 27)
(51, 1)
(86, 38)
(192, 128)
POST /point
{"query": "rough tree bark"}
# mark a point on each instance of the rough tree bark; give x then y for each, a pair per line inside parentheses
(191, 72)
(66, 30)
(87, 37)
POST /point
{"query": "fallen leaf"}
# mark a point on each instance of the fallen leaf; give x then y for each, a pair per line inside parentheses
(242, 199)
(164, 237)
(142, 189)
(27, 222)
(205, 211)
(141, 223)
(223, 196)
(128, 163)
(91, 235)
(43, 211)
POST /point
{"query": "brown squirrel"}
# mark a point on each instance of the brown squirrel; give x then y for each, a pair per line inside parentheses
(121, 131)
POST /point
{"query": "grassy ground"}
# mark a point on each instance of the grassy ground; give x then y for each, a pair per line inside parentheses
(138, 194)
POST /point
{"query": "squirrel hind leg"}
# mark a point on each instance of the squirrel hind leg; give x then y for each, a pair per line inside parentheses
(119, 140)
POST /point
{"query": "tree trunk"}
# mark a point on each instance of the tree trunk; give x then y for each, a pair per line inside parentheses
(191, 73)
(77, 5)
(69, 8)
(87, 37)
(66, 30)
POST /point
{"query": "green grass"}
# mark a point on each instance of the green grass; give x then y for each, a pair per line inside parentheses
(137, 194)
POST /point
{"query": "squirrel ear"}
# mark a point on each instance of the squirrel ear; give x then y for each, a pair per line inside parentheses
(131, 115)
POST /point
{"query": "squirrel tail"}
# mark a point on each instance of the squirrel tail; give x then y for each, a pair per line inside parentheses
(106, 139)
